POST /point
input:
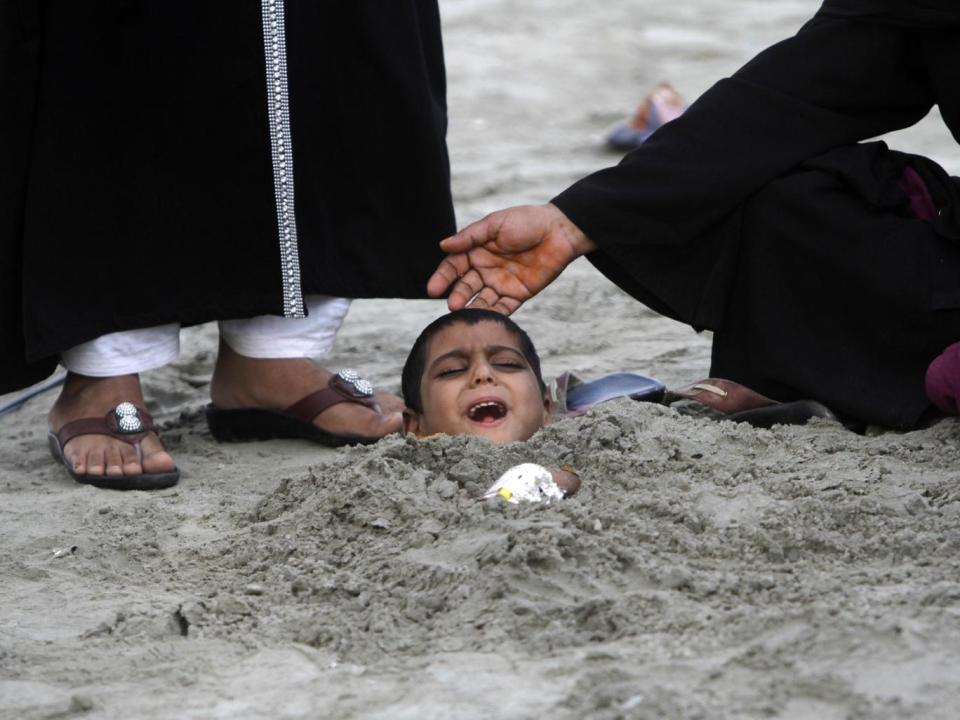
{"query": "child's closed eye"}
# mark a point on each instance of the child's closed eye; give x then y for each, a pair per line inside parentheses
(508, 363)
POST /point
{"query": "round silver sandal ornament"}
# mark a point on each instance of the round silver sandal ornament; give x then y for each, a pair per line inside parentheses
(128, 418)
(360, 386)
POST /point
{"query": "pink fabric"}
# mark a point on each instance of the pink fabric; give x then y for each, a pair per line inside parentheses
(943, 380)
(921, 203)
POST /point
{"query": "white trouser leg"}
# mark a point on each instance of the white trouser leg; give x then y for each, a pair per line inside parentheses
(272, 336)
(124, 353)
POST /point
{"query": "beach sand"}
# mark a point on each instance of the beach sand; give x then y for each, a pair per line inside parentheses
(705, 570)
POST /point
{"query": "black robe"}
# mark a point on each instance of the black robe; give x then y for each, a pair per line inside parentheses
(142, 162)
(743, 217)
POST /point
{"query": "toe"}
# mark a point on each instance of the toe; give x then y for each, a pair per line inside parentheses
(155, 458)
(383, 424)
(130, 459)
(78, 462)
(112, 461)
(74, 459)
(389, 404)
(359, 421)
(160, 461)
(391, 423)
(95, 461)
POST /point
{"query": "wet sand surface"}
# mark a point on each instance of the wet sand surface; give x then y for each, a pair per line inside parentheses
(705, 570)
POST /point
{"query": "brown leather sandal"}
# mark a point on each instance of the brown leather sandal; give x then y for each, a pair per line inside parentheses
(127, 423)
(726, 400)
(297, 420)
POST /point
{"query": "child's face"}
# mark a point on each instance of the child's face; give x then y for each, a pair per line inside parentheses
(477, 382)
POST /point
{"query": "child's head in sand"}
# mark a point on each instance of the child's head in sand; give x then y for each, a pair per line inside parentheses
(474, 372)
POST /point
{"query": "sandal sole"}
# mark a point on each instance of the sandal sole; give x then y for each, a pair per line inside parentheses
(248, 424)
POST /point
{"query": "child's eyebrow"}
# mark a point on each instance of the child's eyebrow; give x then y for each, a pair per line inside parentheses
(489, 350)
(494, 349)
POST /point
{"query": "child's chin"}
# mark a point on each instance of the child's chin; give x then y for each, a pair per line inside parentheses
(501, 434)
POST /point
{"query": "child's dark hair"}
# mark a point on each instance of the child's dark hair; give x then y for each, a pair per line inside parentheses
(417, 359)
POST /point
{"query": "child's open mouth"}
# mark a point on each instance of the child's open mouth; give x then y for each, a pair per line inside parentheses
(487, 412)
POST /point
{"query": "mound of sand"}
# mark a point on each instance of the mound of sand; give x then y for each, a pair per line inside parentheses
(705, 569)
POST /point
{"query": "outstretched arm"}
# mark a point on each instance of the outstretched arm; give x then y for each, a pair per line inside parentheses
(654, 217)
(507, 257)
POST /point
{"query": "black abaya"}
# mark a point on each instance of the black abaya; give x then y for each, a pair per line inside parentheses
(733, 218)
(141, 162)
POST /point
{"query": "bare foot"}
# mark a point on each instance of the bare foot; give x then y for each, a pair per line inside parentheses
(665, 101)
(276, 384)
(566, 479)
(90, 397)
(389, 404)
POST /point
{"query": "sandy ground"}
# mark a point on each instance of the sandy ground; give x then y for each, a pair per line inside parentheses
(706, 570)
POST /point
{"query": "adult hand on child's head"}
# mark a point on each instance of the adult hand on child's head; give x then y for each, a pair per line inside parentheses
(507, 257)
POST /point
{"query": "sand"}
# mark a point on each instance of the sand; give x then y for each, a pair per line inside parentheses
(705, 570)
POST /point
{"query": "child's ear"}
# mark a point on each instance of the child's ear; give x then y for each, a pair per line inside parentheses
(411, 422)
(547, 410)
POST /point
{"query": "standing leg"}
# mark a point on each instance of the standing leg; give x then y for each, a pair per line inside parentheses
(102, 374)
(265, 362)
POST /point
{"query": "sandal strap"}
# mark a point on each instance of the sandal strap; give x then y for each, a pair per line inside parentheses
(106, 425)
(725, 396)
(337, 391)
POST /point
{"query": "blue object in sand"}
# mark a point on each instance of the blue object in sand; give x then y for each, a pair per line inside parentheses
(609, 387)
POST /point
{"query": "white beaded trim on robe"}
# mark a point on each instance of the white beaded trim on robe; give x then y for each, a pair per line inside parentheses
(275, 45)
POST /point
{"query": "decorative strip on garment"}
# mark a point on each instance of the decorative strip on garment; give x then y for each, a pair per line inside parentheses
(275, 45)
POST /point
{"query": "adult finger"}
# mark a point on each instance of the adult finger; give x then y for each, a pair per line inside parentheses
(487, 298)
(478, 303)
(506, 305)
(450, 269)
(490, 299)
(474, 235)
(468, 286)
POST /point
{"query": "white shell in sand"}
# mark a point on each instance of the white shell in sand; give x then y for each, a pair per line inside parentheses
(528, 482)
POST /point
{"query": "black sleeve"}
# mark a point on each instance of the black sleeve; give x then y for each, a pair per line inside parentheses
(836, 82)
